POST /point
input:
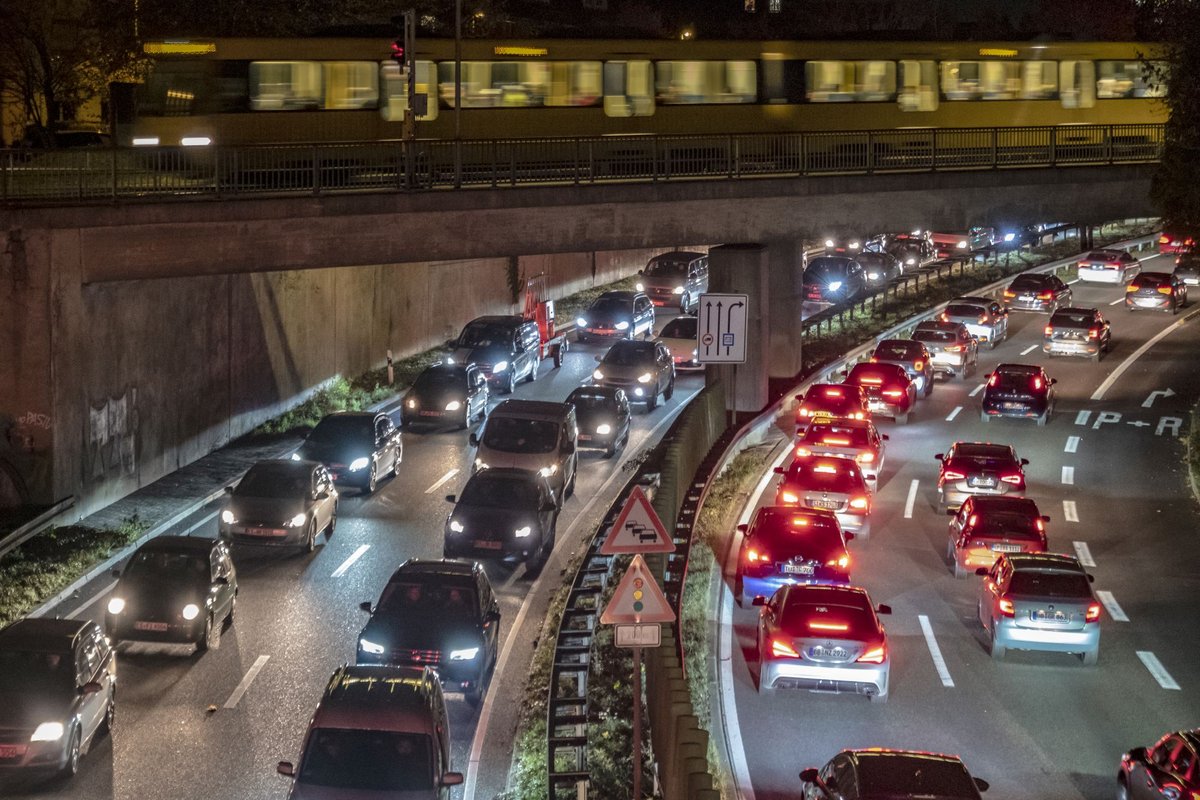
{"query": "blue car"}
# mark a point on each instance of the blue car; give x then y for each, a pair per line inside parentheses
(785, 545)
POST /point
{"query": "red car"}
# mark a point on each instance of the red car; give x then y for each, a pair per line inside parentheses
(832, 401)
(1166, 771)
(889, 390)
(1174, 243)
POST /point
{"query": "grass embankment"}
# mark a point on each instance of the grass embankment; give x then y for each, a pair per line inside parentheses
(1193, 450)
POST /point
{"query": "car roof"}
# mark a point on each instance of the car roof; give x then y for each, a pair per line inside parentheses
(376, 697)
(774, 514)
(1045, 561)
(678, 255)
(1006, 505)
(497, 319)
(451, 568)
(988, 448)
(907, 344)
(1032, 277)
(448, 366)
(43, 634)
(640, 346)
(1076, 310)
(880, 366)
(1192, 737)
(838, 260)
(533, 409)
(972, 300)
(179, 544)
(1154, 276)
(847, 595)
(609, 392)
(938, 325)
(617, 295)
(287, 465)
(1025, 368)
(879, 752)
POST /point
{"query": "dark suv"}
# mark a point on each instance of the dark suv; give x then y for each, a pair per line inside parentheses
(506, 349)
(623, 315)
(910, 354)
(1018, 390)
(503, 513)
(834, 279)
(643, 369)
(676, 278)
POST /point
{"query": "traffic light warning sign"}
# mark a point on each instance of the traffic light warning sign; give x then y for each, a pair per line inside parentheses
(637, 598)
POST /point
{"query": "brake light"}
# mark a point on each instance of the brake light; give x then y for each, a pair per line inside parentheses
(1049, 330)
(1166, 290)
(789, 497)
(1009, 293)
(866, 458)
(858, 415)
(1046, 295)
(1093, 333)
(826, 469)
(1015, 478)
(893, 393)
(836, 442)
(781, 649)
(1164, 239)
(952, 475)
(1006, 607)
(873, 359)
(802, 452)
(1038, 383)
(833, 392)
(838, 627)
(1041, 526)
(974, 518)
(841, 562)
(1093, 612)
(860, 503)
(1133, 287)
(875, 655)
(801, 521)
(918, 366)
(993, 379)
(982, 319)
(753, 556)
(871, 381)
(803, 412)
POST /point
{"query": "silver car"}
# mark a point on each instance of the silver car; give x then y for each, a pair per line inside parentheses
(974, 468)
(984, 318)
(1039, 601)
(280, 502)
(952, 348)
(643, 369)
(1109, 266)
(675, 279)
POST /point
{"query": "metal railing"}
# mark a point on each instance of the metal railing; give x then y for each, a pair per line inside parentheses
(39, 177)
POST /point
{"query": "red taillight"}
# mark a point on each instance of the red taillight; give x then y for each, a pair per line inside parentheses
(952, 475)
(753, 556)
(842, 562)
(1015, 478)
(1093, 333)
(831, 627)
(972, 520)
(781, 649)
(918, 366)
(1006, 607)
(1047, 295)
(1038, 383)
(1093, 612)
(945, 316)
(873, 360)
(893, 393)
(802, 452)
(865, 458)
(1009, 293)
(1166, 290)
(875, 655)
(1041, 526)
(1049, 330)
(859, 503)
(982, 319)
(993, 379)
(1164, 239)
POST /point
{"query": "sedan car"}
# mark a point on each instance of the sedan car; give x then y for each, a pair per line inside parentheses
(281, 502)
(1169, 770)
(623, 315)
(1019, 390)
(1109, 266)
(446, 392)
(1161, 291)
(834, 279)
(880, 268)
(603, 416)
(952, 349)
(828, 484)
(501, 513)
(1077, 332)
(832, 401)
(894, 774)
(855, 439)
(785, 545)
(889, 390)
(1187, 269)
(910, 354)
(1039, 601)
(679, 335)
(643, 369)
(1174, 243)
(178, 589)
(1037, 292)
(985, 527)
(440, 614)
(358, 448)
(978, 468)
(823, 638)
(985, 319)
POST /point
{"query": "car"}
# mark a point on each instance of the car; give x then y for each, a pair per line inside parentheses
(1077, 332)
(785, 545)
(1036, 292)
(984, 527)
(643, 369)
(978, 468)
(895, 774)
(1039, 601)
(889, 390)
(280, 502)
(1156, 290)
(174, 589)
(603, 417)
(679, 335)
(503, 513)
(40, 138)
(832, 401)
(1187, 269)
(880, 268)
(856, 439)
(623, 315)
(1174, 243)
(1018, 390)
(357, 447)
(952, 349)
(912, 355)
(505, 348)
(440, 614)
(379, 732)
(828, 484)
(446, 391)
(985, 319)
(1109, 266)
(675, 279)
(834, 279)
(1015, 237)
(1164, 771)
(825, 639)
(911, 249)
(60, 694)
(844, 246)
(535, 435)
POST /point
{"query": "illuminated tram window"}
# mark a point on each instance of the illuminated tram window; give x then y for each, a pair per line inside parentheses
(1117, 79)
(693, 82)
(918, 86)
(1077, 84)
(507, 84)
(395, 92)
(999, 80)
(285, 85)
(628, 89)
(850, 81)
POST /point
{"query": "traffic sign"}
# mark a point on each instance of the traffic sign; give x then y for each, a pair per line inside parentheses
(643, 635)
(721, 328)
(637, 529)
(637, 598)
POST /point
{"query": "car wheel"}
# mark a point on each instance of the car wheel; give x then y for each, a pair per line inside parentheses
(71, 765)
(207, 640)
(533, 371)
(1122, 789)
(929, 385)
(110, 716)
(231, 617)
(670, 390)
(310, 536)
(510, 386)
(570, 488)
(1043, 419)
(997, 649)
(652, 402)
(959, 571)
(611, 450)
(559, 352)
(1174, 308)
(332, 523)
(1096, 355)
(902, 419)
(1091, 657)
(739, 592)
(581, 337)
(685, 303)
(372, 480)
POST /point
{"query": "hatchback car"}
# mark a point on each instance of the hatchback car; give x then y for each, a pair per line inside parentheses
(985, 527)
(1019, 390)
(177, 589)
(503, 513)
(1039, 601)
(910, 354)
(1174, 243)
(446, 392)
(59, 694)
(828, 484)
(1160, 291)
(880, 268)
(643, 369)
(440, 614)
(892, 774)
(603, 416)
(978, 468)
(834, 279)
(889, 390)
(1077, 332)
(785, 545)
(855, 439)
(1109, 266)
(1169, 770)
(679, 335)
(832, 401)
(952, 349)
(1187, 269)
(675, 279)
(985, 319)
(824, 639)
(1037, 292)
(622, 315)
(357, 447)
(280, 502)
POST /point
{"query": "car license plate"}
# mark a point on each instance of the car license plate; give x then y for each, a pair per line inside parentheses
(585, 437)
(798, 569)
(487, 544)
(1041, 615)
(1147, 301)
(1027, 297)
(142, 625)
(1012, 406)
(827, 505)
(983, 481)
(431, 413)
(1006, 548)
(12, 750)
(1192, 281)
(828, 652)
(876, 405)
(265, 532)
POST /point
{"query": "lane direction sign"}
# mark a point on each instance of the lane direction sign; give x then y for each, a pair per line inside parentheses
(721, 328)
(637, 598)
(637, 529)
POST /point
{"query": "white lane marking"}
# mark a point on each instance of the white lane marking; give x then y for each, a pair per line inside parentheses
(247, 679)
(1072, 444)
(977, 390)
(912, 499)
(1068, 475)
(1156, 669)
(1136, 354)
(1082, 417)
(74, 614)
(1030, 349)
(442, 480)
(1113, 607)
(349, 562)
(953, 413)
(1070, 513)
(1084, 554)
(939, 663)
(1118, 300)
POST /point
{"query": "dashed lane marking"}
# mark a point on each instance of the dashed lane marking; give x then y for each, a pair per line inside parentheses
(1118, 300)
(1082, 417)
(1112, 606)
(1156, 669)
(441, 481)
(1030, 349)
(1068, 475)
(939, 663)
(349, 562)
(1072, 444)
(912, 499)
(977, 390)
(954, 413)
(1070, 513)
(1084, 554)
(247, 679)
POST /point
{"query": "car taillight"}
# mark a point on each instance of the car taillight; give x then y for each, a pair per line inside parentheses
(1006, 607)
(1038, 383)
(918, 366)
(859, 503)
(982, 319)
(873, 359)
(1009, 293)
(1014, 478)
(875, 655)
(842, 562)
(972, 520)
(858, 415)
(803, 412)
(993, 379)
(865, 458)
(1049, 329)
(781, 649)
(1164, 239)
(1041, 526)
(1047, 295)
(893, 393)
(755, 557)
(1133, 287)
(1166, 290)
(789, 497)
(944, 316)
(952, 475)
(801, 452)
(1093, 333)
(1093, 612)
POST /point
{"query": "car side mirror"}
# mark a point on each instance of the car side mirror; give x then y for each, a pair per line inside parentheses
(286, 768)
(228, 490)
(1045, 517)
(1053, 381)
(473, 439)
(641, 272)
(982, 571)
(743, 528)
(759, 600)
(451, 498)
(981, 784)
(779, 470)
(885, 437)
(940, 457)
(597, 358)
(809, 775)
(883, 608)
(1137, 753)
(1024, 462)
(452, 779)
(91, 687)
(1091, 578)
(366, 606)
(849, 536)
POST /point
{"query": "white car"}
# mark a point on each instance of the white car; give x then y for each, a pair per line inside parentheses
(679, 335)
(1109, 266)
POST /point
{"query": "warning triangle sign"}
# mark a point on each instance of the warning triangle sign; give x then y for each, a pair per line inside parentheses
(637, 529)
(637, 598)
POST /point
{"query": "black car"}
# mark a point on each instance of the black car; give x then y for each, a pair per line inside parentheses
(358, 448)
(623, 315)
(58, 685)
(1187, 269)
(280, 503)
(643, 369)
(176, 589)
(1037, 292)
(880, 268)
(503, 512)
(440, 614)
(894, 774)
(910, 354)
(1162, 291)
(602, 413)
(444, 392)
(834, 279)
(1018, 390)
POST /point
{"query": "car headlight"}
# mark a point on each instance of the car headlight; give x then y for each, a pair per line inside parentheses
(641, 287)
(581, 322)
(359, 463)
(464, 655)
(1008, 237)
(910, 261)
(456, 526)
(298, 520)
(622, 325)
(48, 732)
(546, 472)
(645, 377)
(873, 276)
(637, 391)
(453, 405)
(598, 375)
(521, 533)
(191, 611)
(677, 290)
(227, 517)
(296, 457)
(367, 646)
(695, 352)
(116, 605)
(480, 464)
(499, 367)
(829, 242)
(962, 245)
(833, 287)
(603, 428)
(410, 403)
(854, 245)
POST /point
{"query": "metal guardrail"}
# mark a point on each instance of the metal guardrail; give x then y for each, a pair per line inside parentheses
(33, 527)
(190, 173)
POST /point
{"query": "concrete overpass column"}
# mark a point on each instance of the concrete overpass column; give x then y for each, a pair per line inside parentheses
(744, 269)
(785, 285)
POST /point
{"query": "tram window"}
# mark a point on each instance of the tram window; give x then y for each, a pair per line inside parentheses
(782, 80)
(350, 84)
(285, 85)
(395, 91)
(918, 86)
(850, 81)
(628, 89)
(1039, 80)
(495, 84)
(1116, 79)
(1077, 84)
(691, 82)
(999, 80)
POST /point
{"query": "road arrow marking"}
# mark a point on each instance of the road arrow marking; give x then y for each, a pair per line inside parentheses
(1149, 401)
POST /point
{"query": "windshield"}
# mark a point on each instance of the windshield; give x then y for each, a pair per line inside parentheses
(1150, 279)
(825, 476)
(610, 306)
(906, 777)
(900, 351)
(441, 380)
(935, 336)
(876, 374)
(367, 760)
(1072, 319)
(34, 671)
(485, 334)
(964, 311)
(339, 429)
(584, 402)
(680, 328)
(1014, 381)
(274, 480)
(168, 566)
(630, 355)
(1012, 525)
(487, 490)
(835, 435)
(993, 451)
(666, 268)
(784, 541)
(1030, 282)
(433, 596)
(1103, 255)
(819, 617)
(1050, 584)
(825, 268)
(515, 435)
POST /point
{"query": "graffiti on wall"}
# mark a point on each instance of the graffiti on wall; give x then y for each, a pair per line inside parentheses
(111, 446)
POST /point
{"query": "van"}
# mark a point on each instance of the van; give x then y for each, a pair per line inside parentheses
(379, 732)
(675, 278)
(506, 349)
(534, 435)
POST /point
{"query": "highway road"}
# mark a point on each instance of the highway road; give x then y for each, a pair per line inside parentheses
(214, 726)
(1109, 472)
